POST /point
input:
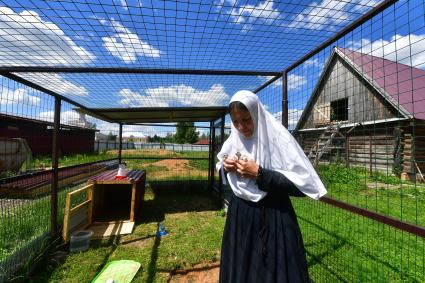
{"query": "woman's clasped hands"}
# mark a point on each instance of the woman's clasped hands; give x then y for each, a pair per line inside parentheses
(244, 166)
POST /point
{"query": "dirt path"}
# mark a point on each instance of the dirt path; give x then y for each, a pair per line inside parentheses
(205, 273)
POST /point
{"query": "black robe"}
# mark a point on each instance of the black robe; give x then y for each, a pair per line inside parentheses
(262, 240)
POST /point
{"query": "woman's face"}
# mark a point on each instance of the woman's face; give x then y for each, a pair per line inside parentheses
(242, 121)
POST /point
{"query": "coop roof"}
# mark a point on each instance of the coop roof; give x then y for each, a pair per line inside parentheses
(400, 85)
(122, 59)
(159, 115)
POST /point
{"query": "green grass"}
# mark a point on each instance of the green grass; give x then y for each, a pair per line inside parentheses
(200, 164)
(40, 162)
(378, 192)
(195, 225)
(27, 221)
(343, 247)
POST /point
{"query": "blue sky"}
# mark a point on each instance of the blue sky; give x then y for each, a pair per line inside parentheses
(217, 35)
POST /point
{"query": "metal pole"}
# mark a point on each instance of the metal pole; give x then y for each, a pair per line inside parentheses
(209, 158)
(284, 100)
(55, 170)
(120, 149)
(212, 154)
(220, 185)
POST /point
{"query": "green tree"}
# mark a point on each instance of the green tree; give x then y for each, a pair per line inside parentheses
(111, 136)
(186, 133)
(169, 138)
(192, 135)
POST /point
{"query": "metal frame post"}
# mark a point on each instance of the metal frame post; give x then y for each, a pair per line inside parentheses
(284, 100)
(120, 145)
(55, 170)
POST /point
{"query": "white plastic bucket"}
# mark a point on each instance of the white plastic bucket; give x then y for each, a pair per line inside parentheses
(80, 240)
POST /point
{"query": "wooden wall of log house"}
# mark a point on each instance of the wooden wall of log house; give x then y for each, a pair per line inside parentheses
(376, 146)
(340, 82)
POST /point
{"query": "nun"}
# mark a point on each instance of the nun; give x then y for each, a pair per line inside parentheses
(263, 165)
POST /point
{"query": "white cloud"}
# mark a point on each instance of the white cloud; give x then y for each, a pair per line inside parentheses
(295, 81)
(408, 49)
(25, 39)
(128, 130)
(177, 94)
(123, 3)
(127, 45)
(264, 79)
(226, 2)
(277, 83)
(128, 134)
(329, 13)
(245, 15)
(313, 63)
(294, 116)
(18, 96)
(57, 83)
(67, 117)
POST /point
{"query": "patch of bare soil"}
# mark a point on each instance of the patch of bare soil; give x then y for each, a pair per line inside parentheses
(153, 152)
(175, 167)
(205, 273)
(172, 164)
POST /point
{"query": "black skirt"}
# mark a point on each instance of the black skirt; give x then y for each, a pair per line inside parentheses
(262, 242)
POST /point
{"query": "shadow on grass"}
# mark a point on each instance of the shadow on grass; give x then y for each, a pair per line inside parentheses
(162, 198)
(171, 197)
(175, 197)
(112, 241)
(154, 257)
(334, 245)
(56, 255)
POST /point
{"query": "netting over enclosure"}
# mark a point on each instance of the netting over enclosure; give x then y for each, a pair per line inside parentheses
(85, 85)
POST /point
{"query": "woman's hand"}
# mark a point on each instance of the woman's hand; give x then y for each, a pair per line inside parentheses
(247, 168)
(229, 165)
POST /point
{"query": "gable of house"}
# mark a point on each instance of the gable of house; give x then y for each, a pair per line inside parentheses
(342, 95)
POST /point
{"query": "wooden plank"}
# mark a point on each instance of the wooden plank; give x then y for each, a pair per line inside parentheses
(380, 150)
(70, 211)
(373, 156)
(78, 207)
(133, 201)
(65, 233)
(374, 136)
(374, 161)
(78, 191)
(90, 208)
(114, 228)
(109, 177)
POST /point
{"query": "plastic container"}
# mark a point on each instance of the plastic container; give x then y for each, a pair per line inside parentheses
(80, 240)
(122, 172)
(161, 230)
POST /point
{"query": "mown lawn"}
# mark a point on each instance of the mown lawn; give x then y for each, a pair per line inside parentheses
(379, 192)
(344, 247)
(341, 246)
(195, 224)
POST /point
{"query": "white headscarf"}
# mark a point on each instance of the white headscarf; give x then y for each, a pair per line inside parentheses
(272, 147)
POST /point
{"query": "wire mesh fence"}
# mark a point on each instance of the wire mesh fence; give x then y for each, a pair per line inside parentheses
(356, 107)
(362, 126)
